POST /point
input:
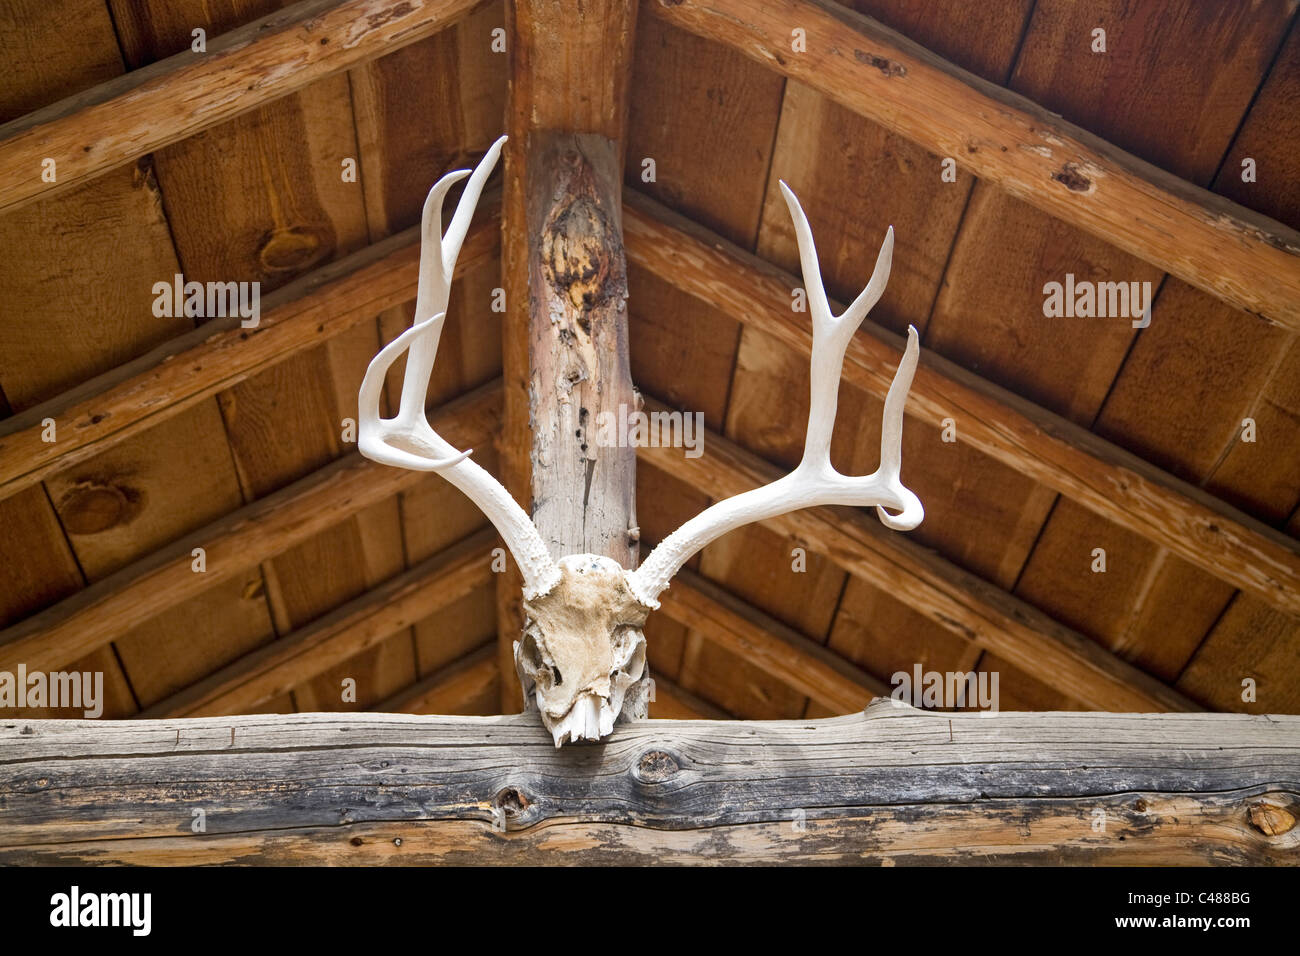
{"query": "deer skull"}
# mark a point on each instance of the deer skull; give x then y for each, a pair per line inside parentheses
(583, 650)
(581, 659)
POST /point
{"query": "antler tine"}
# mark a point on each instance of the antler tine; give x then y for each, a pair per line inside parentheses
(831, 333)
(814, 481)
(911, 513)
(408, 440)
(438, 255)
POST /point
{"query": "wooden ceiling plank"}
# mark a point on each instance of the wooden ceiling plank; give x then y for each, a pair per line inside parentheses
(671, 701)
(943, 592)
(268, 672)
(92, 131)
(66, 317)
(252, 534)
(1238, 255)
(1176, 392)
(274, 207)
(461, 687)
(191, 367)
(458, 628)
(886, 636)
(781, 651)
(1107, 480)
(701, 128)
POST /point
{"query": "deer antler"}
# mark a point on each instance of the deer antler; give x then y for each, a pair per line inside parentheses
(409, 441)
(814, 481)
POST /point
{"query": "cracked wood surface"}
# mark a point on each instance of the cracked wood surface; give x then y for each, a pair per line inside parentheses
(892, 784)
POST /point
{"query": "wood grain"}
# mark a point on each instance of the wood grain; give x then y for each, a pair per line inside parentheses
(121, 119)
(706, 116)
(890, 784)
(256, 532)
(1010, 142)
(584, 485)
(1107, 480)
(958, 600)
(196, 365)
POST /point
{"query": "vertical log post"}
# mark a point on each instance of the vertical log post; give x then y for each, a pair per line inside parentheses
(583, 488)
(565, 276)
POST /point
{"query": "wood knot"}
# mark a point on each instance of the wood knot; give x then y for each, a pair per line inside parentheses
(93, 507)
(656, 766)
(887, 67)
(1270, 819)
(511, 801)
(579, 252)
(294, 249)
(1073, 179)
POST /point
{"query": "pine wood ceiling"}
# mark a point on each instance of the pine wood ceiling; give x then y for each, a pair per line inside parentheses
(1193, 88)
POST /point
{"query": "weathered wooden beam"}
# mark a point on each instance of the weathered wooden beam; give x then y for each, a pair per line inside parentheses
(769, 645)
(99, 613)
(889, 785)
(277, 668)
(950, 596)
(133, 114)
(561, 253)
(1240, 256)
(133, 397)
(1113, 483)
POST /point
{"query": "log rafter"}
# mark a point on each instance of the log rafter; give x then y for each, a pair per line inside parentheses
(951, 597)
(124, 118)
(1113, 483)
(1246, 259)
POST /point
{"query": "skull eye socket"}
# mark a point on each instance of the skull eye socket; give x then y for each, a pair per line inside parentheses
(559, 678)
